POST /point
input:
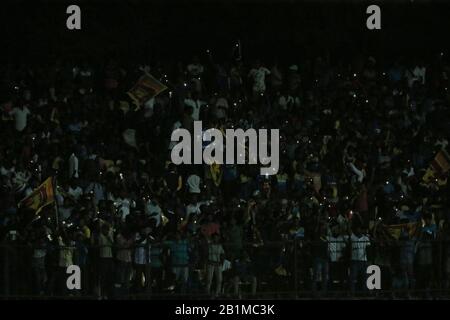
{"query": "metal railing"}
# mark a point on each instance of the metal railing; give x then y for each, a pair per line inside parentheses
(288, 269)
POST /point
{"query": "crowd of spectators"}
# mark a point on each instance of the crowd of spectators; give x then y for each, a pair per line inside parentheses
(356, 139)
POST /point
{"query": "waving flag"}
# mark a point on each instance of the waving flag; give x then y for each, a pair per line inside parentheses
(441, 162)
(145, 88)
(438, 166)
(40, 197)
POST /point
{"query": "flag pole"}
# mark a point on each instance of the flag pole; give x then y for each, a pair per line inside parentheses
(56, 203)
(239, 50)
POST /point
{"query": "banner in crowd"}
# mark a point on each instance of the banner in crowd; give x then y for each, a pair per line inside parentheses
(40, 197)
(216, 171)
(396, 229)
(145, 88)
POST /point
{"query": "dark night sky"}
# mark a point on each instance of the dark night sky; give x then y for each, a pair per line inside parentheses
(181, 28)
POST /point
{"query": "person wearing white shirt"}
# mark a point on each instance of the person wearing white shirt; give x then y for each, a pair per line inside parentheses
(20, 117)
(97, 190)
(193, 183)
(360, 174)
(192, 208)
(73, 166)
(142, 261)
(258, 74)
(68, 201)
(359, 243)
(336, 249)
(75, 191)
(196, 105)
(124, 210)
(153, 210)
(122, 204)
(65, 207)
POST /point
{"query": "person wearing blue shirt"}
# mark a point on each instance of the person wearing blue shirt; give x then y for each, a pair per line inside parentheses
(179, 259)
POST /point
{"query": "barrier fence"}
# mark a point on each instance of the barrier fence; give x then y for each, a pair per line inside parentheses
(296, 269)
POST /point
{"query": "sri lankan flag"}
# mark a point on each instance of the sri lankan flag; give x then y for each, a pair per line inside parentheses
(438, 166)
(441, 162)
(40, 197)
(145, 88)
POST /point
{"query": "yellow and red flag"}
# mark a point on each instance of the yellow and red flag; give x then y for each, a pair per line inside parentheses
(40, 197)
(441, 162)
(145, 88)
(438, 166)
(396, 229)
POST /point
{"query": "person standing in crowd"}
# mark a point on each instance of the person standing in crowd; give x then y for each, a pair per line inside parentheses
(407, 243)
(66, 250)
(384, 123)
(142, 261)
(157, 272)
(106, 262)
(38, 263)
(80, 258)
(320, 253)
(20, 115)
(337, 245)
(216, 255)
(359, 242)
(258, 75)
(124, 244)
(425, 262)
(179, 260)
